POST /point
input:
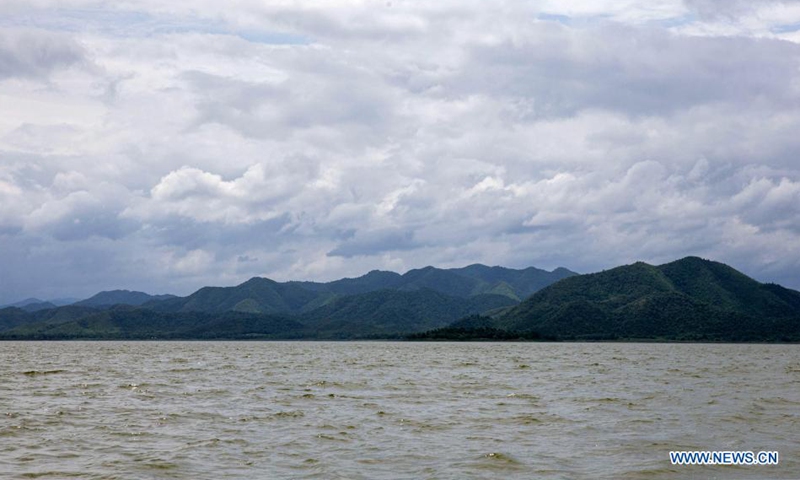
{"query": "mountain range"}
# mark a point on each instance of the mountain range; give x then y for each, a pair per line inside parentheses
(691, 299)
(374, 305)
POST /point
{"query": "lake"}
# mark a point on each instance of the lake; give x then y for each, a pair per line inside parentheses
(372, 410)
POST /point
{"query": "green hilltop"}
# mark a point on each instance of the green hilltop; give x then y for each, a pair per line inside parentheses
(689, 299)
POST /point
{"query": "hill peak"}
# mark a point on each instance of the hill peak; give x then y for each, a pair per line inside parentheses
(693, 260)
(563, 271)
(257, 281)
(124, 297)
(638, 264)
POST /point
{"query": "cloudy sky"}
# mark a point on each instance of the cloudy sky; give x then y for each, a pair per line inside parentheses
(165, 145)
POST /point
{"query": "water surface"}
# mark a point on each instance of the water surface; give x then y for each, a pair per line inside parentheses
(207, 410)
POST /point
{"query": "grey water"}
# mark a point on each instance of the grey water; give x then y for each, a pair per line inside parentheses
(372, 410)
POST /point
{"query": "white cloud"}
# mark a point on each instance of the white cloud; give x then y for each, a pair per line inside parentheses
(206, 197)
(193, 262)
(177, 144)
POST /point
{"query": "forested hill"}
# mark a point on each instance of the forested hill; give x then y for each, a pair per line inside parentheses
(689, 299)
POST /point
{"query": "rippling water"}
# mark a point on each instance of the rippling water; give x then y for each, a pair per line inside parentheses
(199, 410)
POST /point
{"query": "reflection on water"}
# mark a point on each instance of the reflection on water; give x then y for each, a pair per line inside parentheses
(392, 410)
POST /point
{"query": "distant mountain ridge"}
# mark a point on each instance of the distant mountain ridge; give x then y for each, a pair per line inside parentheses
(120, 297)
(691, 299)
(24, 303)
(35, 304)
(262, 295)
(467, 281)
(375, 304)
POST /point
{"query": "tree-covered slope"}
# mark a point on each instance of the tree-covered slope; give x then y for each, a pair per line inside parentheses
(35, 307)
(14, 317)
(384, 313)
(257, 295)
(690, 299)
(391, 312)
(522, 283)
(262, 295)
(125, 322)
(11, 317)
(722, 286)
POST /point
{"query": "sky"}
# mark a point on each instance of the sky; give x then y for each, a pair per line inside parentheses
(163, 146)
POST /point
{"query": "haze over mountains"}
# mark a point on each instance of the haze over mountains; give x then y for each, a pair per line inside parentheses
(34, 304)
(689, 299)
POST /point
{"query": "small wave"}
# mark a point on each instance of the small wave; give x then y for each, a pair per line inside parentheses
(32, 373)
(289, 414)
(160, 465)
(524, 396)
(499, 461)
(777, 401)
(210, 442)
(53, 474)
(323, 436)
(132, 386)
(600, 400)
(526, 420)
(499, 457)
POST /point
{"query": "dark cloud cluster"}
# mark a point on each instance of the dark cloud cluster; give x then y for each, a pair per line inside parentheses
(36, 54)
